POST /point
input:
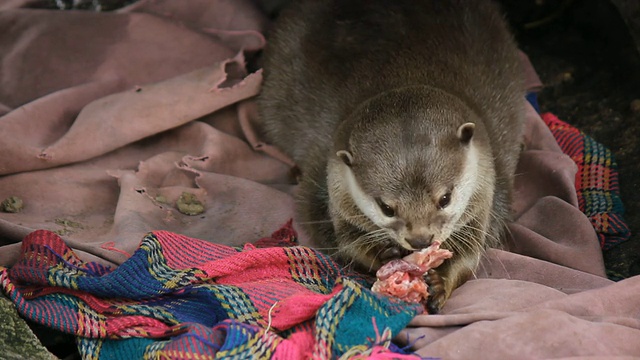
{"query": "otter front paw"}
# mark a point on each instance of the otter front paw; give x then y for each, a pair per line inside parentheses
(437, 292)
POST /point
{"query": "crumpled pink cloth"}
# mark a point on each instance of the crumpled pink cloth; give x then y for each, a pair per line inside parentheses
(106, 118)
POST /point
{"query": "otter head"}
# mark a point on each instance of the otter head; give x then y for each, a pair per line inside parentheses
(405, 170)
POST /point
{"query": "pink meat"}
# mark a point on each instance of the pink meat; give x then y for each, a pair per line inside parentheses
(403, 278)
(429, 258)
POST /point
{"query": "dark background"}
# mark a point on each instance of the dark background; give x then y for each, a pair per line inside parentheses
(586, 54)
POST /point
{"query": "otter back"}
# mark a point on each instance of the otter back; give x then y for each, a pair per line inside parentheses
(329, 64)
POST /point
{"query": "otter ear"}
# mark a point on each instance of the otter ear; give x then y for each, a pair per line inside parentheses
(346, 157)
(465, 132)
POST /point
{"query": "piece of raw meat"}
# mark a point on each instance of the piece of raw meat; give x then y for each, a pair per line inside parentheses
(404, 278)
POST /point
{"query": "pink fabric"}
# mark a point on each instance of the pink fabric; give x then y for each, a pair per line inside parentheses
(155, 100)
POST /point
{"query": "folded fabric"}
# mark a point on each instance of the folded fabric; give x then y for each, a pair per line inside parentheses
(183, 298)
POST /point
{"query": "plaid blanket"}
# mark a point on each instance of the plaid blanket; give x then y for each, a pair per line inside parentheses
(596, 181)
(183, 298)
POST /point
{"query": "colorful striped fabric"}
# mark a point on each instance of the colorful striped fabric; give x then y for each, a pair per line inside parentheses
(183, 298)
(596, 181)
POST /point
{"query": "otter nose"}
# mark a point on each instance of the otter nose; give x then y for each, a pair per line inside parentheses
(420, 242)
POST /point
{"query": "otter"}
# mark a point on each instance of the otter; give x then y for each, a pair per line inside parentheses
(404, 118)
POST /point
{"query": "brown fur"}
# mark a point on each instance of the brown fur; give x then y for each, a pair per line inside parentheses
(391, 82)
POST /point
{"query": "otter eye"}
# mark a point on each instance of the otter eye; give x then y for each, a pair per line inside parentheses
(444, 200)
(386, 209)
